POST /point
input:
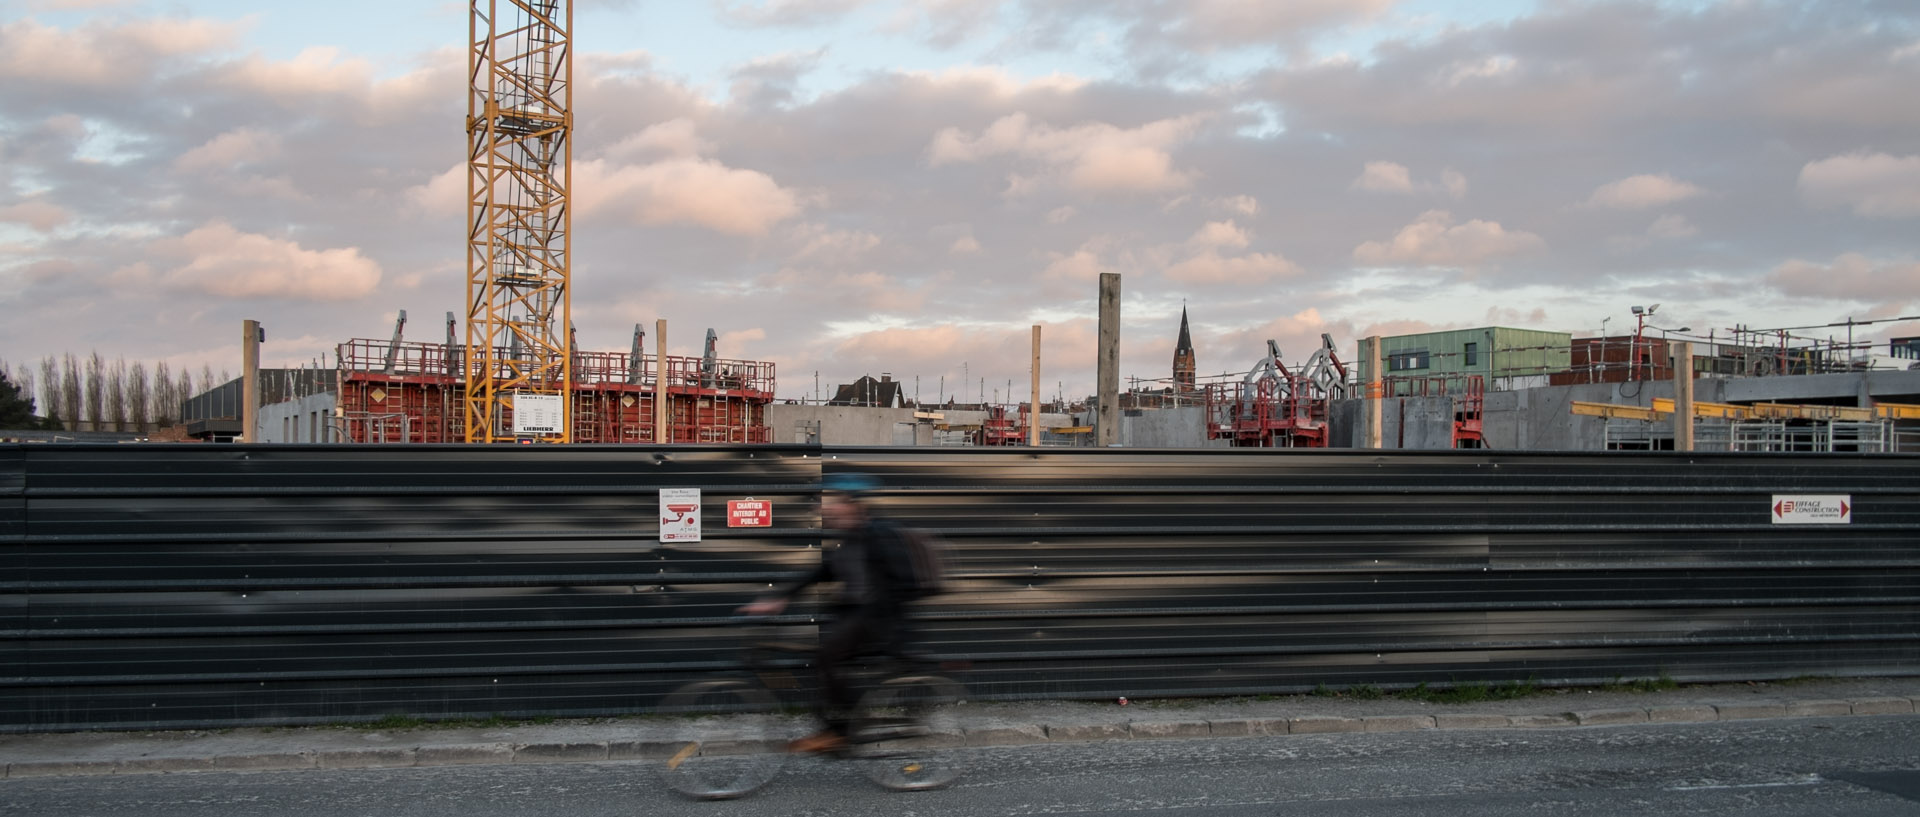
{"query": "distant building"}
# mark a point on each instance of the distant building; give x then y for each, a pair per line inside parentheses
(882, 393)
(1506, 357)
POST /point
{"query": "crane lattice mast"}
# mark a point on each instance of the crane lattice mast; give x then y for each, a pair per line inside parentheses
(519, 243)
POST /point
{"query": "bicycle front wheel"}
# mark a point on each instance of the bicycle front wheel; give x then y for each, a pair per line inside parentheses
(907, 736)
(728, 740)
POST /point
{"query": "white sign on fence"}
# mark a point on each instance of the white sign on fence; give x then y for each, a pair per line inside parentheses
(679, 514)
(536, 413)
(1812, 509)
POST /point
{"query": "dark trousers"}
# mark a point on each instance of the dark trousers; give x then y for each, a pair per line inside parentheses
(850, 635)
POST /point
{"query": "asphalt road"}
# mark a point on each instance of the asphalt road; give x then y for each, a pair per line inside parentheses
(1805, 766)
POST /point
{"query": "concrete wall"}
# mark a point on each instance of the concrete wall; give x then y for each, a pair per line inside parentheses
(1184, 427)
(844, 425)
(861, 425)
(300, 420)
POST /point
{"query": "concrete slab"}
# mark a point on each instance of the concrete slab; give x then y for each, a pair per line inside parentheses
(559, 752)
(1469, 720)
(1883, 706)
(1396, 723)
(1087, 731)
(1006, 735)
(1543, 721)
(1818, 709)
(1682, 713)
(1324, 724)
(380, 757)
(1740, 712)
(464, 754)
(1610, 717)
(1151, 730)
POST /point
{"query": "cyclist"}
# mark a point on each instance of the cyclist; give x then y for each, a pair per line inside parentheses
(868, 610)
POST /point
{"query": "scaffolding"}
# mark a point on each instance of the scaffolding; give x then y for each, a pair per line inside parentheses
(397, 391)
(1277, 407)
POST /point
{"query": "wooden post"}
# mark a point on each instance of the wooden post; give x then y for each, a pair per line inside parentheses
(1033, 413)
(1682, 395)
(1375, 398)
(661, 434)
(249, 381)
(1107, 371)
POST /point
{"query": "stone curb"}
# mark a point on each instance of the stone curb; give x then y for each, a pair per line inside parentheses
(385, 757)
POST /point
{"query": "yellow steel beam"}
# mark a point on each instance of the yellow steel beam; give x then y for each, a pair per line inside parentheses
(1614, 411)
(1704, 409)
(1801, 411)
(1897, 411)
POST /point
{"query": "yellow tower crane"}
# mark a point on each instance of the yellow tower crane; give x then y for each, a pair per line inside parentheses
(519, 241)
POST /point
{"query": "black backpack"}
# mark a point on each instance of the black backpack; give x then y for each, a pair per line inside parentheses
(921, 565)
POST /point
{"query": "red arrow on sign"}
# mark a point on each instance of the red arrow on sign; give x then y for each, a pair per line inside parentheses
(1776, 508)
(1844, 510)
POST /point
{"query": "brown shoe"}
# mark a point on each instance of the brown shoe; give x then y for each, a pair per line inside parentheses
(825, 740)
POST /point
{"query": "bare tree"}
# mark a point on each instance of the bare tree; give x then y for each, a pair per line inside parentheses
(96, 392)
(206, 378)
(185, 392)
(138, 399)
(166, 407)
(25, 381)
(115, 384)
(50, 389)
(71, 392)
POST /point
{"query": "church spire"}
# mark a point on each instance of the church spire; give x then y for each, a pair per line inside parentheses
(1183, 361)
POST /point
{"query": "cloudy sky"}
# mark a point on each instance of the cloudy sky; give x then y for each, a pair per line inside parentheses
(905, 186)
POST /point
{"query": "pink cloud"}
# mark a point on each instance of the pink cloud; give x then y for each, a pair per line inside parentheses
(1876, 185)
(1093, 157)
(1209, 267)
(36, 214)
(700, 192)
(1643, 191)
(1433, 240)
(217, 259)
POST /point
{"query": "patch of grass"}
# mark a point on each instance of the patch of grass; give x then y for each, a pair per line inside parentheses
(1474, 692)
(1640, 685)
(1803, 680)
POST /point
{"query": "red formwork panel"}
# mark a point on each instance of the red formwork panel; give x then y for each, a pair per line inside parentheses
(411, 393)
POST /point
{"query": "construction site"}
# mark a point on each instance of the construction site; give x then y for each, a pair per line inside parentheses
(508, 369)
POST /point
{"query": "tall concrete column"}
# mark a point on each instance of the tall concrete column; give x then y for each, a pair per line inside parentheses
(1370, 352)
(1033, 413)
(661, 434)
(1106, 423)
(1682, 395)
(250, 381)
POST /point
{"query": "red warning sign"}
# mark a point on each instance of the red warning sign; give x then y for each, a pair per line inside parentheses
(749, 513)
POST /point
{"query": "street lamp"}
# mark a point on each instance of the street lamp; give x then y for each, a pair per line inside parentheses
(1640, 314)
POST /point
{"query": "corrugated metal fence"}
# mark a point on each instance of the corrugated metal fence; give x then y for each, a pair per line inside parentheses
(168, 586)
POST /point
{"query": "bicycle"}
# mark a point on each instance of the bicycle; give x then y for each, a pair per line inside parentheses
(733, 738)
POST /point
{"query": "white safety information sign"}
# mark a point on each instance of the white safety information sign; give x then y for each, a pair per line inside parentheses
(1812, 509)
(679, 514)
(536, 414)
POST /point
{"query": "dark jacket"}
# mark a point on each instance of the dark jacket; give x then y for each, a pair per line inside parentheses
(871, 564)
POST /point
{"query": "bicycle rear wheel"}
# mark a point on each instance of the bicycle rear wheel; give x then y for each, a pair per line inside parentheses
(729, 739)
(907, 735)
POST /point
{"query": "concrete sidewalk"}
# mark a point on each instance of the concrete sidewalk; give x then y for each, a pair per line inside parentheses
(989, 724)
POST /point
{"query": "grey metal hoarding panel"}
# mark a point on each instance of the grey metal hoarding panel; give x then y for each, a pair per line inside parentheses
(211, 585)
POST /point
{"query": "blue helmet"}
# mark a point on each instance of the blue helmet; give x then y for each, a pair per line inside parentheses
(851, 484)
